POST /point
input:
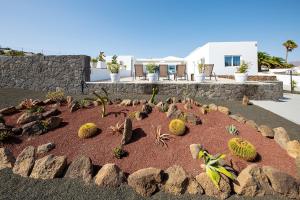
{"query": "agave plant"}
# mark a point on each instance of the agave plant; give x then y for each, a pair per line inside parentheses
(118, 128)
(232, 129)
(213, 167)
(161, 139)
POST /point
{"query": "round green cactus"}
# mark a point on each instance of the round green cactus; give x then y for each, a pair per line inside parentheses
(87, 130)
(177, 127)
(242, 148)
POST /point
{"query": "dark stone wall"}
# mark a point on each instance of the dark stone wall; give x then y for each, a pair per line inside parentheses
(45, 73)
(227, 91)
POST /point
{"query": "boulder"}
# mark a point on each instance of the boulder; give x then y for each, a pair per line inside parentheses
(140, 115)
(135, 102)
(49, 167)
(194, 187)
(224, 110)
(110, 175)
(212, 107)
(47, 101)
(238, 118)
(17, 131)
(169, 100)
(74, 106)
(172, 109)
(28, 117)
(211, 190)
(252, 182)
(53, 122)
(191, 118)
(177, 181)
(293, 148)
(25, 161)
(126, 102)
(195, 149)
(266, 131)
(252, 124)
(281, 137)
(80, 168)
(145, 181)
(146, 108)
(282, 183)
(143, 101)
(51, 112)
(6, 158)
(34, 128)
(69, 100)
(45, 148)
(8, 110)
(127, 131)
(245, 101)
(203, 110)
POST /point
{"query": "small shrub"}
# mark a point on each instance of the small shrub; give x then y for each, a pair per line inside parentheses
(151, 68)
(84, 103)
(58, 96)
(94, 60)
(177, 127)
(161, 139)
(242, 148)
(4, 135)
(294, 85)
(243, 68)
(36, 109)
(118, 128)
(154, 93)
(232, 129)
(87, 130)
(119, 153)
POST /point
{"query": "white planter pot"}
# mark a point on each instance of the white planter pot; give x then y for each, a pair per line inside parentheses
(114, 77)
(94, 64)
(240, 77)
(152, 77)
(101, 65)
(200, 77)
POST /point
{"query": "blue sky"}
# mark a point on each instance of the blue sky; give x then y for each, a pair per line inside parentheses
(146, 28)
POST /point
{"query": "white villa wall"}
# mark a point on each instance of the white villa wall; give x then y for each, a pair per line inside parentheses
(214, 53)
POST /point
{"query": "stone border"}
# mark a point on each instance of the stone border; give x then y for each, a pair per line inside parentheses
(272, 90)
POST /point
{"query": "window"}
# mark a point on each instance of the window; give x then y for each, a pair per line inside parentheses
(232, 61)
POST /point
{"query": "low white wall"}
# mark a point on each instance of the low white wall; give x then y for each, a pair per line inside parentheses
(98, 74)
(287, 81)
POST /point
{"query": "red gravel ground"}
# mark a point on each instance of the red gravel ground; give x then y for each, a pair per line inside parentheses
(143, 152)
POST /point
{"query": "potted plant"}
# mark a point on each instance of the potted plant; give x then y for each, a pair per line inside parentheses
(114, 68)
(241, 74)
(151, 69)
(101, 59)
(94, 62)
(201, 76)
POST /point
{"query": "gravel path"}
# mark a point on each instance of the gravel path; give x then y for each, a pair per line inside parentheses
(14, 187)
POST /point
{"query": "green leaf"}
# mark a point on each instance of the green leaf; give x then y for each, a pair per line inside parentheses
(225, 172)
(200, 154)
(213, 175)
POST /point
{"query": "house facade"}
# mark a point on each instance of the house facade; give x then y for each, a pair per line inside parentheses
(226, 57)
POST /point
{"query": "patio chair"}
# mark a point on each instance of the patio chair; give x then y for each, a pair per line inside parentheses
(163, 72)
(181, 71)
(139, 71)
(208, 71)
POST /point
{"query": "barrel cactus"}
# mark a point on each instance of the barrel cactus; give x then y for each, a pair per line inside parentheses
(87, 130)
(177, 127)
(242, 148)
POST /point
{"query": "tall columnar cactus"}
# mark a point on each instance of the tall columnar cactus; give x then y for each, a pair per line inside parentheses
(242, 149)
(103, 101)
(154, 93)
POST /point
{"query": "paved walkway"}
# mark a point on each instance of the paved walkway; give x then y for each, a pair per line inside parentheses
(288, 107)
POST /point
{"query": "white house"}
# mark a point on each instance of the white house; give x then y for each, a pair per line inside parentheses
(226, 57)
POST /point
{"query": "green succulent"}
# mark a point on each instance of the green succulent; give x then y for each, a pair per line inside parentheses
(242, 148)
(154, 93)
(232, 129)
(119, 152)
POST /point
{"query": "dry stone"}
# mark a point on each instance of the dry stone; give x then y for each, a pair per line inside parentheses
(126, 102)
(172, 109)
(49, 167)
(252, 124)
(266, 131)
(25, 162)
(6, 158)
(238, 118)
(245, 100)
(28, 117)
(194, 187)
(188, 106)
(281, 137)
(80, 168)
(195, 149)
(145, 181)
(212, 107)
(8, 110)
(140, 115)
(224, 110)
(146, 108)
(177, 180)
(33, 128)
(53, 122)
(293, 148)
(127, 131)
(135, 102)
(44, 148)
(51, 112)
(211, 190)
(191, 118)
(110, 175)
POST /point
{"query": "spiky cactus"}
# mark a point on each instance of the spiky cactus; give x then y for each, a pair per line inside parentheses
(232, 129)
(103, 101)
(87, 130)
(242, 148)
(154, 93)
(177, 127)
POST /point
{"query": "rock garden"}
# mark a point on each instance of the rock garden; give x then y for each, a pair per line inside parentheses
(177, 146)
